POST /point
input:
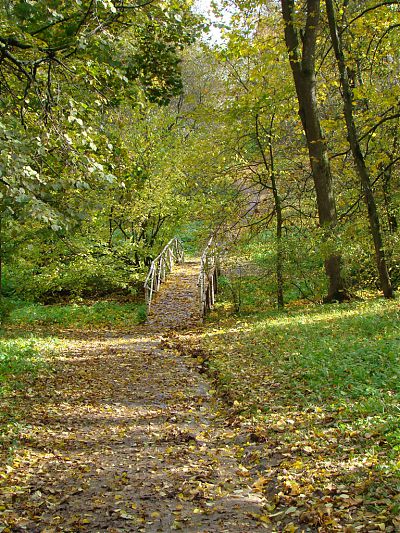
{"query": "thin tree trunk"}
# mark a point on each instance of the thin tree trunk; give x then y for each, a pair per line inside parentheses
(387, 193)
(302, 62)
(279, 250)
(1, 259)
(279, 225)
(270, 168)
(362, 170)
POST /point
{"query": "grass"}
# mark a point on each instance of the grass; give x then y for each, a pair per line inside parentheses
(102, 314)
(333, 354)
(22, 357)
(30, 339)
(320, 385)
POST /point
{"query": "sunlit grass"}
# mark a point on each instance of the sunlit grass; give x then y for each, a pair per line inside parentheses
(320, 378)
(22, 357)
(336, 352)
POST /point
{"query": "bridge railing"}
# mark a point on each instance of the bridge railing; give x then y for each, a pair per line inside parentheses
(208, 278)
(161, 266)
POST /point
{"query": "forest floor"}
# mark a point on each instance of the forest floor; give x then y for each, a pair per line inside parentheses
(121, 433)
(278, 422)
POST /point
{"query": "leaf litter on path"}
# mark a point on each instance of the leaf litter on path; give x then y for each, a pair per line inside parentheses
(124, 435)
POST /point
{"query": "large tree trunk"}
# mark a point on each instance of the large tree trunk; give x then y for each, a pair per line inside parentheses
(301, 50)
(362, 170)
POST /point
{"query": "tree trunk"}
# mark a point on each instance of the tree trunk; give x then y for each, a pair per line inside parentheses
(302, 62)
(362, 170)
(387, 193)
(279, 226)
(279, 254)
(270, 168)
(1, 258)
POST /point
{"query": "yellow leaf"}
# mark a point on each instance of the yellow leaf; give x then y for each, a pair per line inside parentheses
(290, 528)
(260, 484)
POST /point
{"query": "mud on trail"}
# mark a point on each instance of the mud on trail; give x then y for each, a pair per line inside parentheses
(124, 435)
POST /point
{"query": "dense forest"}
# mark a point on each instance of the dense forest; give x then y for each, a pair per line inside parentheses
(272, 127)
(122, 126)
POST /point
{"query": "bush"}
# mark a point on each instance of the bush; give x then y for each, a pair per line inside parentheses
(83, 275)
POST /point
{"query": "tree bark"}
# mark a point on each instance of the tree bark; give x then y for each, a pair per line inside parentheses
(362, 170)
(301, 47)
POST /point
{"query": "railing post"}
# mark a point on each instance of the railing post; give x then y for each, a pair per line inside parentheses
(171, 259)
(161, 266)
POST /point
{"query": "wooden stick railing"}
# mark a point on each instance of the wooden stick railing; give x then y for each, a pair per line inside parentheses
(161, 266)
(208, 278)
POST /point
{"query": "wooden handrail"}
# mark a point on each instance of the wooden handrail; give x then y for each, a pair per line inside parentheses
(208, 278)
(161, 266)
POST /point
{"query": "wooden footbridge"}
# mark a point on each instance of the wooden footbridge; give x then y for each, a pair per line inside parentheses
(179, 292)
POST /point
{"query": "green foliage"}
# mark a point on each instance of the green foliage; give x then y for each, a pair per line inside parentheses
(85, 275)
(193, 235)
(113, 139)
(250, 270)
(64, 69)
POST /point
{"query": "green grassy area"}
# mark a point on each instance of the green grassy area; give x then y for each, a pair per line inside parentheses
(102, 314)
(336, 354)
(22, 357)
(320, 386)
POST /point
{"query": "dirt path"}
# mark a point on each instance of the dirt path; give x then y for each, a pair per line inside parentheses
(125, 436)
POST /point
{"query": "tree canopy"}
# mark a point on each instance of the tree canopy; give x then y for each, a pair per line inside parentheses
(119, 129)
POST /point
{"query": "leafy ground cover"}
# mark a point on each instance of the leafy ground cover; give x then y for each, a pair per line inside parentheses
(101, 314)
(31, 340)
(23, 357)
(314, 395)
(123, 434)
(310, 421)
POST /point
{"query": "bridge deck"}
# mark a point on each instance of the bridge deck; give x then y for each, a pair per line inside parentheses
(177, 304)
